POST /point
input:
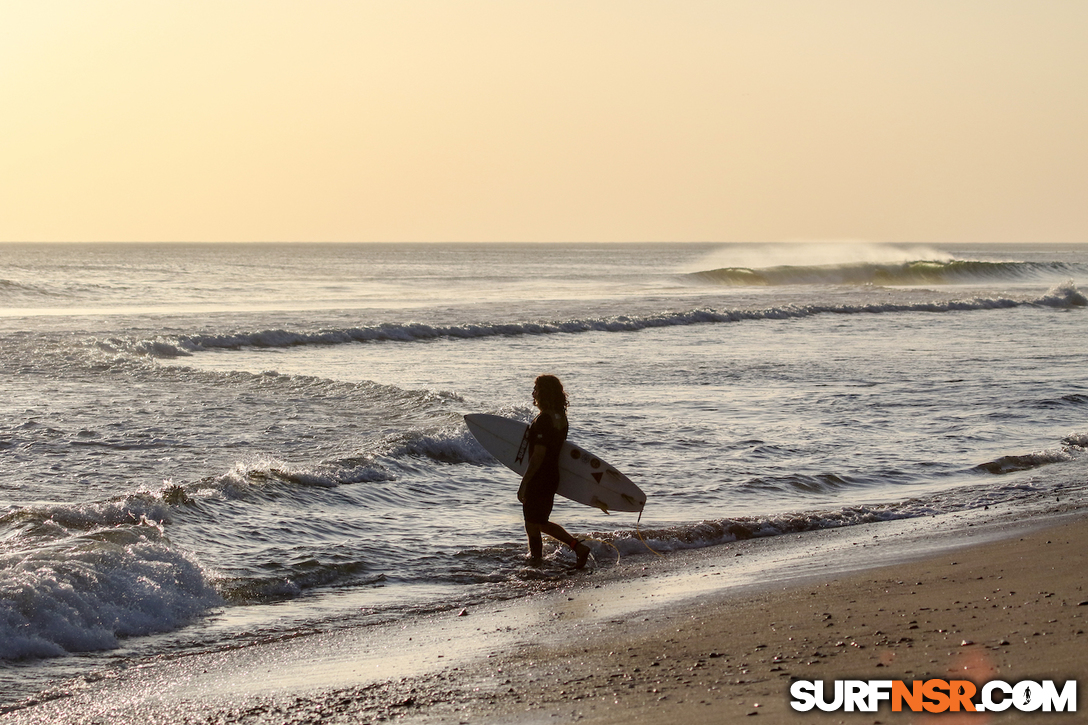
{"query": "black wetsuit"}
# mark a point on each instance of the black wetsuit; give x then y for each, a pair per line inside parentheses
(548, 430)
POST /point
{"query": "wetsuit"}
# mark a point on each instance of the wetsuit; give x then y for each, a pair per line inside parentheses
(548, 430)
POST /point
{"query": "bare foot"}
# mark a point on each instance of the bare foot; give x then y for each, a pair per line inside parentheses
(582, 552)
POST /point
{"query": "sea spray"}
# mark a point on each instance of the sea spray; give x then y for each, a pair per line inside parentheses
(88, 591)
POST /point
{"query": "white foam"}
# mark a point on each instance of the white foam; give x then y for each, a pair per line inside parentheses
(89, 591)
(814, 254)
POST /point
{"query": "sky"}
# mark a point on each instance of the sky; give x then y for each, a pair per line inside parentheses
(949, 121)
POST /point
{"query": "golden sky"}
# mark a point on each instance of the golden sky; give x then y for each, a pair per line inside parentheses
(517, 120)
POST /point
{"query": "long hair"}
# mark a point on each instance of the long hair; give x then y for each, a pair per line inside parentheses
(550, 394)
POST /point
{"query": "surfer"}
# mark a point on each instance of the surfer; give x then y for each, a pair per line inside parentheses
(537, 493)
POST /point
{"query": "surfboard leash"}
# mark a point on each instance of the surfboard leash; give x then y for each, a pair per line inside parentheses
(606, 543)
(639, 534)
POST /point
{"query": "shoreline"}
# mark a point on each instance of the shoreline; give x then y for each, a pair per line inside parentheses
(682, 646)
(1013, 609)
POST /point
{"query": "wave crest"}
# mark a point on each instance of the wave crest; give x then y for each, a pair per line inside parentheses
(917, 272)
(1062, 296)
(85, 593)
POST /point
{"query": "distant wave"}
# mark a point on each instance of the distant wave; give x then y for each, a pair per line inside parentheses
(11, 291)
(919, 272)
(1062, 296)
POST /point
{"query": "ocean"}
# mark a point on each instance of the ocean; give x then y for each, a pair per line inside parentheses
(208, 446)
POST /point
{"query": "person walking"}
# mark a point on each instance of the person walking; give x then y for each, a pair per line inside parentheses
(545, 439)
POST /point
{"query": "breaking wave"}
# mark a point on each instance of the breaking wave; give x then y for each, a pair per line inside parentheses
(88, 582)
(1062, 296)
(918, 272)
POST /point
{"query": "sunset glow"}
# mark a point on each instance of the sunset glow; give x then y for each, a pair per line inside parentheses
(543, 121)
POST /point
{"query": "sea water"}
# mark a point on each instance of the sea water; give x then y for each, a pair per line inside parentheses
(204, 446)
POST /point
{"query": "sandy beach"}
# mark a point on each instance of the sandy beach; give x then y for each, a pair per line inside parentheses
(1009, 609)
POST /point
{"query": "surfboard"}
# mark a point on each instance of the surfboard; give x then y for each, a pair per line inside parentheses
(583, 477)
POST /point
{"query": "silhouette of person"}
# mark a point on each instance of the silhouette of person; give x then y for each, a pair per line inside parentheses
(537, 493)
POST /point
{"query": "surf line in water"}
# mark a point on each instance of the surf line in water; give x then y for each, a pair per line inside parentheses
(1064, 296)
(918, 272)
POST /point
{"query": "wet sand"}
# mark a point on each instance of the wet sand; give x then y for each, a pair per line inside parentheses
(1012, 609)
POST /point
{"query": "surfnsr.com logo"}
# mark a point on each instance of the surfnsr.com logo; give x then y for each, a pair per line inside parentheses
(934, 696)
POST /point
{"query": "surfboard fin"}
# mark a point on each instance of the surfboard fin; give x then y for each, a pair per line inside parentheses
(600, 504)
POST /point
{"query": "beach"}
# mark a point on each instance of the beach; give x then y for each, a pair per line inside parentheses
(1005, 601)
(1009, 610)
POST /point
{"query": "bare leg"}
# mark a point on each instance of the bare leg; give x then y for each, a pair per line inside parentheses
(536, 543)
(557, 532)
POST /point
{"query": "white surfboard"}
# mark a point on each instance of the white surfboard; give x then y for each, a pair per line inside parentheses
(583, 477)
